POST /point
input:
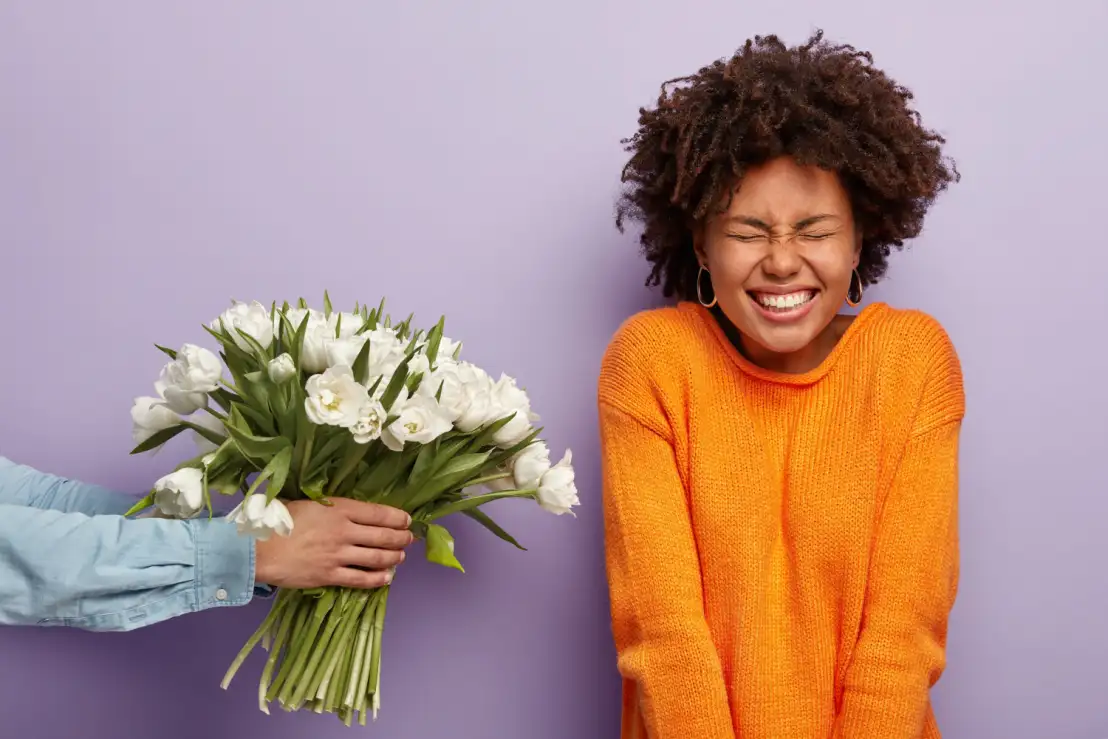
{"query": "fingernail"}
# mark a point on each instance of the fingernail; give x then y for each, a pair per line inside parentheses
(402, 556)
(409, 520)
(388, 576)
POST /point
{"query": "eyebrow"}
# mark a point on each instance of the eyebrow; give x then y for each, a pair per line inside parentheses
(763, 226)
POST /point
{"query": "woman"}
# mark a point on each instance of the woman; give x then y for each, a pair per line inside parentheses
(780, 479)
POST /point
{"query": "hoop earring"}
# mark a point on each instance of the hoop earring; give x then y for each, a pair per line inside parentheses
(699, 292)
(854, 302)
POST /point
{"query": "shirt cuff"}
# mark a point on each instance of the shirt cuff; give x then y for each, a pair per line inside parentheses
(224, 564)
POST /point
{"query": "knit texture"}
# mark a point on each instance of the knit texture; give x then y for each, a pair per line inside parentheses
(782, 550)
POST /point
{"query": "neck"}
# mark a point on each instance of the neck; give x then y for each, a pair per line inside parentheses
(789, 363)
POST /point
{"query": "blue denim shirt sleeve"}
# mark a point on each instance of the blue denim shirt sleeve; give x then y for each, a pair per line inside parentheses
(68, 559)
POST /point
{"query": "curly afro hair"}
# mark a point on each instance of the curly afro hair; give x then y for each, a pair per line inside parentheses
(823, 105)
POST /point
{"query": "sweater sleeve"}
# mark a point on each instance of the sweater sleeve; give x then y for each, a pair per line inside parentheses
(901, 649)
(664, 646)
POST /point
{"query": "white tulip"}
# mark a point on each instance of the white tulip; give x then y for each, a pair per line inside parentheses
(421, 421)
(187, 380)
(250, 318)
(530, 465)
(149, 416)
(348, 326)
(508, 398)
(386, 351)
(335, 398)
(557, 490)
(448, 350)
(281, 368)
(180, 494)
(313, 354)
(343, 351)
(479, 408)
(255, 517)
(447, 382)
(371, 419)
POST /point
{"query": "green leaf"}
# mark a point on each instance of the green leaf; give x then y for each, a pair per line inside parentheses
(325, 453)
(326, 304)
(313, 489)
(474, 501)
(260, 420)
(261, 351)
(424, 465)
(485, 520)
(413, 382)
(302, 304)
(277, 472)
(172, 354)
(223, 398)
(140, 506)
(434, 338)
(350, 459)
(159, 438)
(503, 455)
(453, 474)
(257, 448)
(484, 438)
(440, 547)
(213, 436)
(361, 364)
(384, 473)
(396, 384)
(296, 345)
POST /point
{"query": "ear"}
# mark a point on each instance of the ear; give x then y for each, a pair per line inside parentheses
(857, 249)
(699, 238)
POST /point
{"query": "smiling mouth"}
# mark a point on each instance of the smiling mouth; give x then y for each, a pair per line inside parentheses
(782, 303)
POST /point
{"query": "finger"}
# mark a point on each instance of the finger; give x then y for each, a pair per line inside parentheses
(345, 577)
(370, 559)
(374, 514)
(375, 537)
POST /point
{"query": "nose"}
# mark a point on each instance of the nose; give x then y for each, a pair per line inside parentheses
(783, 260)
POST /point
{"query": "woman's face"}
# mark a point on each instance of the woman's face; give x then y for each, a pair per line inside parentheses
(782, 255)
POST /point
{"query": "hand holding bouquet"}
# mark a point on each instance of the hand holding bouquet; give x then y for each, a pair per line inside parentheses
(325, 404)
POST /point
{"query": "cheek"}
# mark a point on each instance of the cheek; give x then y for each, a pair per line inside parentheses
(833, 267)
(731, 269)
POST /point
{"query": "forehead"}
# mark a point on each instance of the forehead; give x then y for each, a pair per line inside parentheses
(782, 191)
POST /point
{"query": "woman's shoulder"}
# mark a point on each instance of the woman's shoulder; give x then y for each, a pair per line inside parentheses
(656, 335)
(647, 350)
(911, 335)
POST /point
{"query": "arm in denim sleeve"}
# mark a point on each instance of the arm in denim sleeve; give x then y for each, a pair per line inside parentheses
(105, 572)
(26, 486)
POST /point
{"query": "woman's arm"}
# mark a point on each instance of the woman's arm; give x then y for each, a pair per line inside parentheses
(661, 634)
(26, 486)
(901, 650)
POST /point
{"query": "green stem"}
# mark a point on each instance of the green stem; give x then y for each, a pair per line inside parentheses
(274, 655)
(252, 642)
(488, 478)
(214, 412)
(375, 665)
(313, 673)
(338, 681)
(312, 628)
(303, 610)
(359, 654)
(340, 644)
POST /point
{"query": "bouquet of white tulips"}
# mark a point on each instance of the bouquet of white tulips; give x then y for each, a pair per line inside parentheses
(302, 403)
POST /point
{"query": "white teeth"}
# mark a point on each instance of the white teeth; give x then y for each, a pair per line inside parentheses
(784, 302)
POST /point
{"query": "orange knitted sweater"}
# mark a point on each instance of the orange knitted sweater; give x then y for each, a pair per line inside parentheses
(782, 550)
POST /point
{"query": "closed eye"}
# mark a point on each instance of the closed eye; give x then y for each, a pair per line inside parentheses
(817, 237)
(746, 238)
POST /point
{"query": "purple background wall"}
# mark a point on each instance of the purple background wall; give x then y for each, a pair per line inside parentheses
(157, 159)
